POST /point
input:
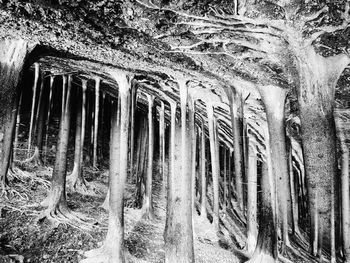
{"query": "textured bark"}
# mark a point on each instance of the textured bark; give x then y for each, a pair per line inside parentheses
(179, 229)
(236, 120)
(274, 99)
(18, 122)
(147, 206)
(13, 57)
(132, 126)
(214, 163)
(192, 111)
(318, 77)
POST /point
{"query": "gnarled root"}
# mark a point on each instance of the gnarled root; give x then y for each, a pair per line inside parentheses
(261, 258)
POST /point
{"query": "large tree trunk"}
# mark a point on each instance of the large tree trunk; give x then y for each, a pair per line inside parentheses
(318, 77)
(274, 99)
(237, 133)
(147, 206)
(13, 56)
(113, 248)
(179, 228)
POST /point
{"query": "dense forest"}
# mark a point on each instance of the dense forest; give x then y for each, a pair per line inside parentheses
(174, 131)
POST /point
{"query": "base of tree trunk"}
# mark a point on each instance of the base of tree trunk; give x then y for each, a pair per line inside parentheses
(105, 204)
(35, 158)
(58, 212)
(262, 258)
(148, 214)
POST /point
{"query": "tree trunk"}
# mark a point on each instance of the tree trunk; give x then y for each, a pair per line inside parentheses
(56, 200)
(31, 123)
(97, 109)
(76, 176)
(274, 99)
(318, 77)
(147, 206)
(47, 123)
(236, 120)
(203, 174)
(13, 56)
(18, 123)
(132, 128)
(162, 143)
(113, 248)
(266, 247)
(252, 227)
(214, 164)
(192, 111)
(345, 202)
(179, 229)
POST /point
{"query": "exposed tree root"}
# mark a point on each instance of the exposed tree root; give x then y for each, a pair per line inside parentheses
(23, 176)
(9, 192)
(63, 215)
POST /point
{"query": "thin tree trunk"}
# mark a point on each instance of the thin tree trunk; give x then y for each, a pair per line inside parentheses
(214, 164)
(236, 120)
(225, 179)
(293, 195)
(192, 110)
(47, 124)
(203, 173)
(252, 202)
(97, 108)
(113, 248)
(147, 206)
(345, 202)
(31, 123)
(179, 235)
(274, 99)
(132, 129)
(13, 56)
(162, 143)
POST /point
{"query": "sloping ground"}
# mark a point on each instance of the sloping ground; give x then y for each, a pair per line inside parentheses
(23, 239)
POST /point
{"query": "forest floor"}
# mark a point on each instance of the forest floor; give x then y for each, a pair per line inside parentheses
(24, 239)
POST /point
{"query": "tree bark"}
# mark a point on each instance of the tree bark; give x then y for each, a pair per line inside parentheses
(147, 206)
(13, 58)
(47, 123)
(179, 229)
(274, 99)
(318, 77)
